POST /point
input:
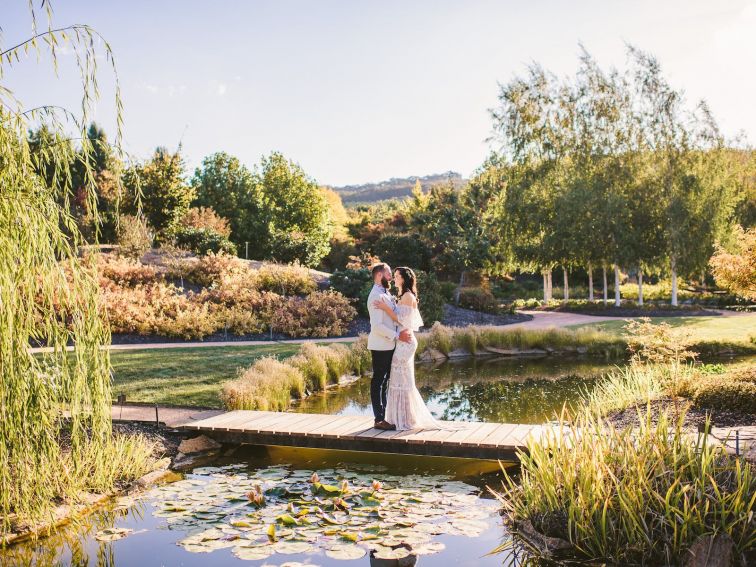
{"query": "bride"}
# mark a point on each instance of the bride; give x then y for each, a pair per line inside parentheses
(404, 405)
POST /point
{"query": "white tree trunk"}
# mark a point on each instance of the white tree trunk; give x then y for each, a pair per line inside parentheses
(566, 285)
(640, 286)
(674, 281)
(551, 286)
(606, 291)
(545, 286)
(616, 286)
(590, 282)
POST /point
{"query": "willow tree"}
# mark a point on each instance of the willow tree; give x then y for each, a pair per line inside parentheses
(48, 293)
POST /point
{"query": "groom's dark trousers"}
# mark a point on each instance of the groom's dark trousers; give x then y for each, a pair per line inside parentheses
(379, 383)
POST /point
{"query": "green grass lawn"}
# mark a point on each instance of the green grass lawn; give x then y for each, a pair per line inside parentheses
(184, 376)
(734, 329)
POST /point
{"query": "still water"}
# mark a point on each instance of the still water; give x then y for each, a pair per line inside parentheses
(438, 506)
(503, 390)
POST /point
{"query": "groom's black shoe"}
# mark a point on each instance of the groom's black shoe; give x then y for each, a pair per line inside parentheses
(385, 425)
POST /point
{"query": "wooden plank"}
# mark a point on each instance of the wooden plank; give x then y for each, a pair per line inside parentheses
(313, 427)
(328, 426)
(502, 436)
(479, 434)
(261, 424)
(294, 423)
(244, 422)
(221, 421)
(350, 428)
(461, 435)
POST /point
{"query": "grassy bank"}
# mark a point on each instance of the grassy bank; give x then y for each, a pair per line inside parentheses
(185, 376)
(706, 335)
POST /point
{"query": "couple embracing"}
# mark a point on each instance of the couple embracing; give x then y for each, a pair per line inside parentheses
(397, 405)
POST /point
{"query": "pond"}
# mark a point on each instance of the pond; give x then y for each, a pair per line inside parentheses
(440, 507)
(495, 389)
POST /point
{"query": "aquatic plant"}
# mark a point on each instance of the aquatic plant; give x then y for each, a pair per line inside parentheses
(343, 512)
(640, 496)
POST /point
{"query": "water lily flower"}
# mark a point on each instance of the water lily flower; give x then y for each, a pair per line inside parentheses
(314, 479)
(377, 485)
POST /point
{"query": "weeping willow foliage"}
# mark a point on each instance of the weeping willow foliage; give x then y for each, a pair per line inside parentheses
(54, 409)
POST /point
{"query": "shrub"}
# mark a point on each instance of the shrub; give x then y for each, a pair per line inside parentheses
(732, 390)
(212, 268)
(241, 321)
(430, 300)
(631, 497)
(354, 284)
(320, 314)
(448, 290)
(202, 241)
(207, 218)
(478, 299)
(267, 385)
(285, 280)
(133, 236)
(157, 308)
(125, 271)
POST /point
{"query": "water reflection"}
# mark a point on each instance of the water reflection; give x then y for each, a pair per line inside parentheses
(154, 540)
(509, 390)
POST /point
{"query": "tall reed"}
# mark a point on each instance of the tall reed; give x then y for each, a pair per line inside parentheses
(631, 497)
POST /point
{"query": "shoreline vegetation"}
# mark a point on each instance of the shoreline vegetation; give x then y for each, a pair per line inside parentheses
(315, 367)
(651, 491)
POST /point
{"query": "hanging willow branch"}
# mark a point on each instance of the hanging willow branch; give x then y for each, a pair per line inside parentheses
(55, 408)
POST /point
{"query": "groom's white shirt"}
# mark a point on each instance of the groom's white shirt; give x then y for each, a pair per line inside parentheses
(383, 331)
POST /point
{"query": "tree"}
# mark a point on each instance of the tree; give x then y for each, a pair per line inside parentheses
(735, 270)
(45, 397)
(297, 223)
(165, 197)
(224, 184)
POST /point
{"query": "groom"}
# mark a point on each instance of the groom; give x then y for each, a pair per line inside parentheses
(382, 342)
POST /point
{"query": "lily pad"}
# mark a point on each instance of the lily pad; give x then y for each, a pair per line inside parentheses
(388, 553)
(347, 552)
(253, 553)
(112, 534)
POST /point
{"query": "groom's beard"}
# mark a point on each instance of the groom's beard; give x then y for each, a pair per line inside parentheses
(385, 283)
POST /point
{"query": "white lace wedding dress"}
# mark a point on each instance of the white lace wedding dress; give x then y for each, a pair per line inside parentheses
(405, 407)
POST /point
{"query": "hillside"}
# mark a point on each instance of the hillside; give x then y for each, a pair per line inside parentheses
(396, 187)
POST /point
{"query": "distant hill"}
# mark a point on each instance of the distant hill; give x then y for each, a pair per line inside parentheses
(394, 188)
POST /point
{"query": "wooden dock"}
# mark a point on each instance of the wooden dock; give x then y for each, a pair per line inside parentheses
(473, 440)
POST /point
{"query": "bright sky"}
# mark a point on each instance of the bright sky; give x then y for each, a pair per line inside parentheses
(358, 90)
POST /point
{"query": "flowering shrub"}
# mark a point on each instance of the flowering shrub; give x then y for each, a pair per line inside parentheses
(124, 271)
(157, 309)
(320, 314)
(206, 217)
(211, 269)
(285, 280)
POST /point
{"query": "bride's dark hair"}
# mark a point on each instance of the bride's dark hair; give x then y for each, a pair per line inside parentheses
(409, 281)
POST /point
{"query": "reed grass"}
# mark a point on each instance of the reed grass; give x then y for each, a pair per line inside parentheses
(631, 497)
(270, 384)
(267, 385)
